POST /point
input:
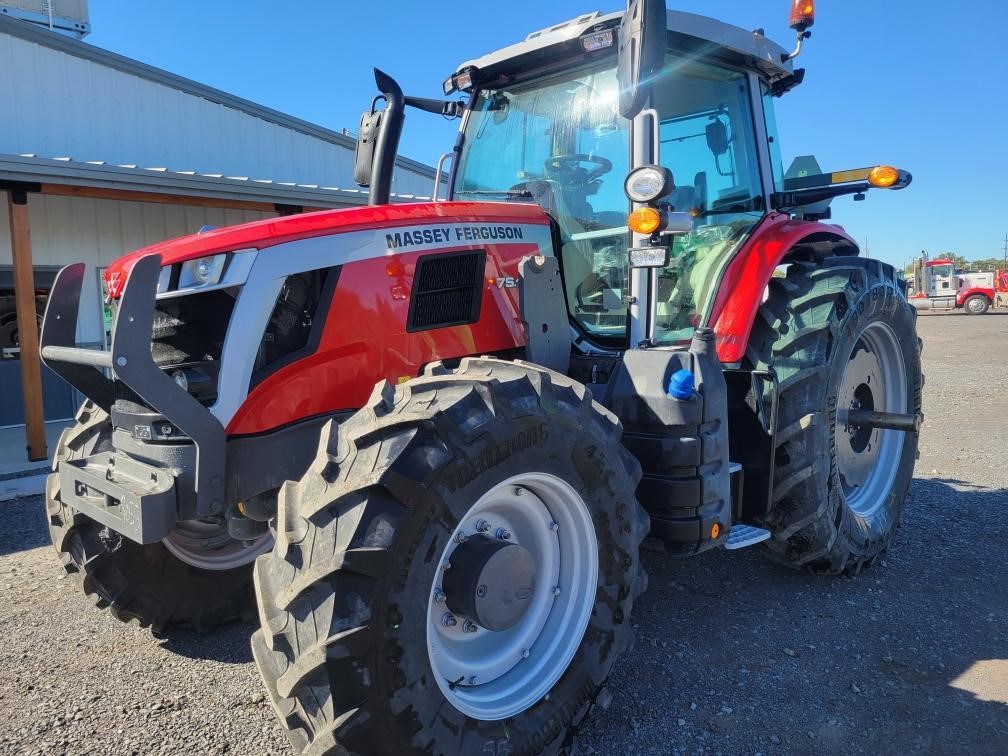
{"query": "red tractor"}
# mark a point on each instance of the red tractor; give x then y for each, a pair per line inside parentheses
(432, 437)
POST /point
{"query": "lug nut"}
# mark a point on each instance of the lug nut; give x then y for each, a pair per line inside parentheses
(446, 564)
(556, 590)
(525, 653)
(472, 680)
(503, 534)
(461, 538)
(469, 627)
(554, 526)
(448, 620)
(481, 590)
(439, 596)
(482, 526)
(517, 491)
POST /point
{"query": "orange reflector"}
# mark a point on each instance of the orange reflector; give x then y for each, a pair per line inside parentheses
(645, 220)
(802, 15)
(883, 176)
(715, 530)
(394, 269)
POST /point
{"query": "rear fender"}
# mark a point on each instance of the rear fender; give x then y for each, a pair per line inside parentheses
(741, 288)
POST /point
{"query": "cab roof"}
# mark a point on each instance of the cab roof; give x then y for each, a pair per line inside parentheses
(687, 32)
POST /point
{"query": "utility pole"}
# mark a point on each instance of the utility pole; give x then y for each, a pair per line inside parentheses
(1006, 251)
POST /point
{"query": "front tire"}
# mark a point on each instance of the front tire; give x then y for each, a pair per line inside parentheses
(357, 645)
(145, 584)
(977, 304)
(840, 335)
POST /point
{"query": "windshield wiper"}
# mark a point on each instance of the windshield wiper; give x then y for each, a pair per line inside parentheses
(519, 193)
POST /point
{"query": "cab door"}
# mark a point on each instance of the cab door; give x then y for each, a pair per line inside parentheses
(943, 282)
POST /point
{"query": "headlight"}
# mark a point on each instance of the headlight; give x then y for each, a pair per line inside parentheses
(648, 183)
(204, 271)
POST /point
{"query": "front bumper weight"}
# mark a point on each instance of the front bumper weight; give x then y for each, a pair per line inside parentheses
(131, 363)
(130, 497)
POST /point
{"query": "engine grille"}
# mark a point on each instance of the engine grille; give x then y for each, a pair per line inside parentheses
(447, 290)
(188, 335)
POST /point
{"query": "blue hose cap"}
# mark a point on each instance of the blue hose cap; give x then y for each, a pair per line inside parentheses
(681, 384)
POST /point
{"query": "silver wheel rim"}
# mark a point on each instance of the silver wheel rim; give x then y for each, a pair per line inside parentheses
(868, 458)
(976, 305)
(491, 675)
(206, 544)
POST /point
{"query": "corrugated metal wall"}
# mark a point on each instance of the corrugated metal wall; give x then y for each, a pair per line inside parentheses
(60, 105)
(66, 230)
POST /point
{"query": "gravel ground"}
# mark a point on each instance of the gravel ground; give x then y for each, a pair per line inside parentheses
(734, 655)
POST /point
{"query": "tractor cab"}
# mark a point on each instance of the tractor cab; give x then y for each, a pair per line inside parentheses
(648, 137)
(544, 124)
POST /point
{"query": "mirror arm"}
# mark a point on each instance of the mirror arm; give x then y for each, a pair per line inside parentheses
(801, 197)
(447, 108)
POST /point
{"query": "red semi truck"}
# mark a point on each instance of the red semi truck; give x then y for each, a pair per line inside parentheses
(940, 285)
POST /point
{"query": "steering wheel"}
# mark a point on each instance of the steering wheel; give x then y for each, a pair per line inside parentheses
(567, 170)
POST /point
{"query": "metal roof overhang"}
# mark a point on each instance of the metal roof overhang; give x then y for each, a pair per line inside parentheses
(21, 169)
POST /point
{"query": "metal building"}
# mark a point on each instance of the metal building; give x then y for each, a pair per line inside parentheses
(101, 154)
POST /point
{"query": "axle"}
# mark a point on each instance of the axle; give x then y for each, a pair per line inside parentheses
(886, 420)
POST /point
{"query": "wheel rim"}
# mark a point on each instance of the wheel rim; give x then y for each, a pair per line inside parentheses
(868, 458)
(492, 675)
(976, 305)
(206, 544)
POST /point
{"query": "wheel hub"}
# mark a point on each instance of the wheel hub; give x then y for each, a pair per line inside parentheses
(207, 545)
(491, 582)
(511, 596)
(874, 379)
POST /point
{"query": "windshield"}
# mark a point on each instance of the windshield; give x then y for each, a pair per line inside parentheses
(559, 142)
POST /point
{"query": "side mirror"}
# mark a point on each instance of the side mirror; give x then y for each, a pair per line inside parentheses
(717, 137)
(641, 52)
(367, 138)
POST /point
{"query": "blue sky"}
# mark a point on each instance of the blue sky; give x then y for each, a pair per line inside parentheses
(916, 83)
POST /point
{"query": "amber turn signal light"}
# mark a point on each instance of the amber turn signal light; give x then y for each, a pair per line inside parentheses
(883, 176)
(645, 221)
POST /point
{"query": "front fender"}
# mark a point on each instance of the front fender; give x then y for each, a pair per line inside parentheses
(965, 294)
(741, 288)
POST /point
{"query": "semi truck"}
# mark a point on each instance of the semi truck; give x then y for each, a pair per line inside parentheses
(940, 285)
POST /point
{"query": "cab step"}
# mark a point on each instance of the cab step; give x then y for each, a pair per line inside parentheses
(741, 536)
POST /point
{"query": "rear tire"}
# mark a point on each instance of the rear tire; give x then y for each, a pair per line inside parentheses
(346, 597)
(976, 304)
(835, 508)
(143, 584)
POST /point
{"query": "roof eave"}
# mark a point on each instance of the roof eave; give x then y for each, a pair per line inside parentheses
(21, 169)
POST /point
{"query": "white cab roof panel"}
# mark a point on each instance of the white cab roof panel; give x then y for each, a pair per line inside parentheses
(689, 28)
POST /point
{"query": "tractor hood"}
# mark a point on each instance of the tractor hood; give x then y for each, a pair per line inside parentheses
(273, 231)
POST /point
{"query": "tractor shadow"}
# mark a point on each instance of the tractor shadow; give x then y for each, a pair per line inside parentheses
(736, 653)
(227, 644)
